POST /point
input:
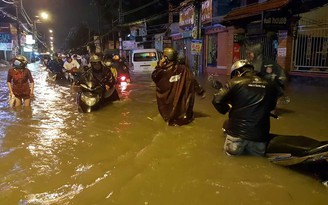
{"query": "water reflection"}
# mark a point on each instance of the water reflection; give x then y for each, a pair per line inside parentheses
(126, 154)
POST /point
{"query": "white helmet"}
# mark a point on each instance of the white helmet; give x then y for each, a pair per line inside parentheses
(238, 65)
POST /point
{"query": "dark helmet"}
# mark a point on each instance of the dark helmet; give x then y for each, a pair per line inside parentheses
(170, 54)
(95, 59)
(68, 56)
(240, 67)
(20, 62)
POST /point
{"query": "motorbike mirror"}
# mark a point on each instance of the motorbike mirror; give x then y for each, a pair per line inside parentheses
(215, 83)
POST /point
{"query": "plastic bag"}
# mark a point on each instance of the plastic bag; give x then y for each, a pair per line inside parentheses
(12, 100)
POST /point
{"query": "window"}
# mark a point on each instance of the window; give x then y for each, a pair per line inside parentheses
(211, 50)
(147, 56)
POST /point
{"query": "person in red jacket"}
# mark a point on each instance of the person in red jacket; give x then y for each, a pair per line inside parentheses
(20, 83)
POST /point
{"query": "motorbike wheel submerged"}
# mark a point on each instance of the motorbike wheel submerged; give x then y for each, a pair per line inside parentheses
(300, 153)
(89, 97)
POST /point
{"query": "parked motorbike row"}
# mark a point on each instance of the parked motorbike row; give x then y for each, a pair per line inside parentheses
(92, 95)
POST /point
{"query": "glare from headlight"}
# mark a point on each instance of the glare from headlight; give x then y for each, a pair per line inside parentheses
(89, 101)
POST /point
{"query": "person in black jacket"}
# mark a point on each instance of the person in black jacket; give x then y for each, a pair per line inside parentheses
(249, 99)
(56, 66)
(102, 75)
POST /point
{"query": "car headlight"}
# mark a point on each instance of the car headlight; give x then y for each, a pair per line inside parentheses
(89, 100)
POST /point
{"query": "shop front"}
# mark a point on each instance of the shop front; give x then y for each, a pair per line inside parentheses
(217, 54)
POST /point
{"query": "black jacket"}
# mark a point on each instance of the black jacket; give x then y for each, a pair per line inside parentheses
(252, 98)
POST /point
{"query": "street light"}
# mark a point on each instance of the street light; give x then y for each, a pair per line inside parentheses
(44, 15)
(51, 40)
(38, 19)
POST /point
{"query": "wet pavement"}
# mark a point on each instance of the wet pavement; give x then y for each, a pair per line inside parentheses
(126, 154)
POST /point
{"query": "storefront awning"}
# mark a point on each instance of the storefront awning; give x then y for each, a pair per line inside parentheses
(254, 9)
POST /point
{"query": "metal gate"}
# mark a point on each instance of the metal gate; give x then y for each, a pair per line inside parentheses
(311, 49)
(268, 45)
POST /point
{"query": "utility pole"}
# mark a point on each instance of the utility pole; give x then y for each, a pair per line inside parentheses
(18, 7)
(197, 32)
(170, 13)
(99, 26)
(120, 21)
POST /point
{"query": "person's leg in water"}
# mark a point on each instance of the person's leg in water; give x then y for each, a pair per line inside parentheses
(255, 148)
(27, 102)
(234, 145)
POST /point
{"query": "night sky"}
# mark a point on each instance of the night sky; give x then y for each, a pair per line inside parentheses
(65, 14)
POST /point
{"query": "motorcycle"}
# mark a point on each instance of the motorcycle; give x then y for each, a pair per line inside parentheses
(123, 78)
(72, 75)
(300, 153)
(123, 74)
(55, 76)
(91, 95)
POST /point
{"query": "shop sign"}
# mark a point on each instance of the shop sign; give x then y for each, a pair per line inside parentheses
(186, 34)
(236, 52)
(196, 47)
(282, 52)
(5, 29)
(187, 16)
(5, 38)
(206, 11)
(274, 20)
(129, 45)
(5, 46)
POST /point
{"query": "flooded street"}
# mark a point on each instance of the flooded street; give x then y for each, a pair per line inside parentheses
(125, 154)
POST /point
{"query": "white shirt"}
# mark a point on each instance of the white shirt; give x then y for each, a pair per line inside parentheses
(72, 64)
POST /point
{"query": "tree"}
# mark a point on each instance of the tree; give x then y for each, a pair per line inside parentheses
(78, 38)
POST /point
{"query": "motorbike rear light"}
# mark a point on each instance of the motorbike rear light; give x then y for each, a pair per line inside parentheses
(123, 78)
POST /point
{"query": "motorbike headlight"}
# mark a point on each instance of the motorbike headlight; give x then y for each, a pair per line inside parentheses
(89, 100)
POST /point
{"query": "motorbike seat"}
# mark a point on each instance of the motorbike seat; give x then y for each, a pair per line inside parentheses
(297, 146)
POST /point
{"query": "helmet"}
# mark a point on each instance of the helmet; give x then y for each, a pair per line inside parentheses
(20, 61)
(170, 54)
(240, 66)
(95, 59)
(96, 62)
(116, 57)
(107, 63)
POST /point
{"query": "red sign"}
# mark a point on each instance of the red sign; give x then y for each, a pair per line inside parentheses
(236, 52)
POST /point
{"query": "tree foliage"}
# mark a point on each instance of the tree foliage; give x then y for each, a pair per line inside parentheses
(78, 38)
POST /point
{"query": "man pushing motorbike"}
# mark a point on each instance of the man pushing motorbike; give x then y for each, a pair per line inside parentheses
(103, 75)
(249, 99)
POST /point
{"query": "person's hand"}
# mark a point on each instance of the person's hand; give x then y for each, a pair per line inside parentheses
(31, 95)
(107, 87)
(274, 77)
(203, 95)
